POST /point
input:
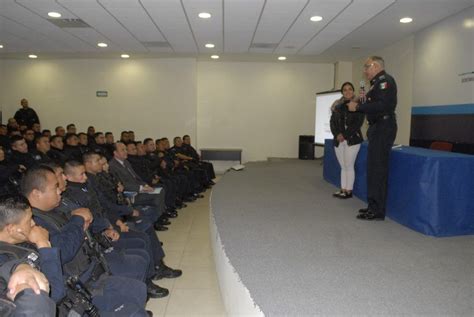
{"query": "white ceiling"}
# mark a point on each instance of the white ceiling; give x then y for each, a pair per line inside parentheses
(240, 29)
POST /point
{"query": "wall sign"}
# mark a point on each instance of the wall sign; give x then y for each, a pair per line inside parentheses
(101, 93)
(466, 77)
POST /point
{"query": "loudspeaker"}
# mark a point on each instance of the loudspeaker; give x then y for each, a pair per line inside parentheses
(306, 147)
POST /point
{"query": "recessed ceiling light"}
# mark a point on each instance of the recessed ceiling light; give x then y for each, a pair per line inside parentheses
(469, 23)
(406, 20)
(209, 45)
(32, 56)
(204, 15)
(1, 46)
(125, 56)
(316, 18)
(282, 58)
(214, 56)
(54, 14)
(102, 44)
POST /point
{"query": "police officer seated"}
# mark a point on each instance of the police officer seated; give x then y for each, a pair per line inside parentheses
(71, 148)
(26, 293)
(142, 229)
(42, 147)
(71, 128)
(126, 253)
(10, 174)
(23, 288)
(59, 130)
(56, 152)
(90, 285)
(19, 152)
(29, 136)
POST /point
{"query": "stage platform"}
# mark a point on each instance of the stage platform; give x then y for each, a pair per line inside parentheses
(284, 246)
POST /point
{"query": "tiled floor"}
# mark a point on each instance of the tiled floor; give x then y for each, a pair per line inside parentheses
(187, 247)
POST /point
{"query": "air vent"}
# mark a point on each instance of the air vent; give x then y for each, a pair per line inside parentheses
(69, 23)
(156, 44)
(264, 45)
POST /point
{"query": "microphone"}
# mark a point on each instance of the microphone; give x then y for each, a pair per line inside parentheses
(362, 98)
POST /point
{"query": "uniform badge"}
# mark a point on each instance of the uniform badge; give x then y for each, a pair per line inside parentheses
(383, 85)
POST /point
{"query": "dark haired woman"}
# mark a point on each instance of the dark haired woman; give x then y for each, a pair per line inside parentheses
(345, 126)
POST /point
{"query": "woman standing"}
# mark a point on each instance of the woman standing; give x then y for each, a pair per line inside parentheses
(345, 126)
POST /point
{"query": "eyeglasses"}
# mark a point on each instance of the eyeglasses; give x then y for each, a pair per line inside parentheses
(367, 66)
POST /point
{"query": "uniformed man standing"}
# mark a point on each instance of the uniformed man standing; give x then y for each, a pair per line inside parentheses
(379, 105)
(26, 115)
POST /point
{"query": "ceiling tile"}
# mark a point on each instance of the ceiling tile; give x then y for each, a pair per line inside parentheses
(205, 30)
(240, 21)
(169, 17)
(276, 19)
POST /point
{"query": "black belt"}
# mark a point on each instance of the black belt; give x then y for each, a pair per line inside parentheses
(384, 117)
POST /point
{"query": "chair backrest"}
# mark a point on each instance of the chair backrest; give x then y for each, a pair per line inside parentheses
(441, 146)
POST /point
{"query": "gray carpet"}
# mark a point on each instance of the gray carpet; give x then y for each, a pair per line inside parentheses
(300, 251)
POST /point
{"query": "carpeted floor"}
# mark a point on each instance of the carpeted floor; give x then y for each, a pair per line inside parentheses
(300, 251)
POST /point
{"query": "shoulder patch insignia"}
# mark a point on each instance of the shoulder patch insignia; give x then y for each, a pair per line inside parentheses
(383, 85)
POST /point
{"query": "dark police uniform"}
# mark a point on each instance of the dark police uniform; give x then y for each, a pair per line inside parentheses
(380, 110)
(26, 117)
(26, 302)
(113, 295)
(129, 263)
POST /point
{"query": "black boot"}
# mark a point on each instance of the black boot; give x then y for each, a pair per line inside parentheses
(163, 271)
(155, 291)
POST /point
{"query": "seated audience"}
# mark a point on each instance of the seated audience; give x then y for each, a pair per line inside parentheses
(42, 147)
(29, 136)
(71, 128)
(24, 247)
(190, 151)
(10, 174)
(12, 125)
(36, 127)
(90, 133)
(59, 130)
(84, 265)
(19, 152)
(56, 152)
(46, 133)
(4, 139)
(83, 142)
(71, 148)
(109, 138)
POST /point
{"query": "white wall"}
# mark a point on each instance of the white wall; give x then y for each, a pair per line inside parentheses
(426, 67)
(343, 73)
(259, 107)
(153, 97)
(442, 52)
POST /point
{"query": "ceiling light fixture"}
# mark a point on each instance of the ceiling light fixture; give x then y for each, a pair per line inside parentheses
(1, 46)
(53, 14)
(204, 15)
(32, 56)
(282, 58)
(102, 44)
(406, 20)
(214, 56)
(316, 18)
(125, 56)
(210, 45)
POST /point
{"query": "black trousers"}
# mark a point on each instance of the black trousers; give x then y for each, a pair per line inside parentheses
(381, 136)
